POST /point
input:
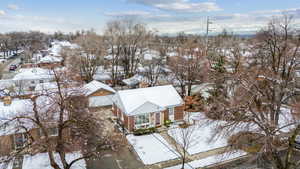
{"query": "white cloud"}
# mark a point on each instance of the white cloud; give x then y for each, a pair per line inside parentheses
(128, 13)
(13, 7)
(242, 23)
(138, 14)
(39, 23)
(180, 5)
(190, 7)
(2, 13)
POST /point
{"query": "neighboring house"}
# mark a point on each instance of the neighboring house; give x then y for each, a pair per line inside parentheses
(202, 89)
(50, 61)
(102, 75)
(16, 135)
(99, 94)
(28, 78)
(148, 107)
(13, 136)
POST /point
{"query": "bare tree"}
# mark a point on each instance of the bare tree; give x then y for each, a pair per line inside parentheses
(127, 41)
(258, 96)
(182, 140)
(63, 110)
(153, 70)
(2, 67)
(190, 66)
(87, 58)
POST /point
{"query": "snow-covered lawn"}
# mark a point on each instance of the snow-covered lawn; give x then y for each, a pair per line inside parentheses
(211, 160)
(152, 148)
(41, 161)
(199, 137)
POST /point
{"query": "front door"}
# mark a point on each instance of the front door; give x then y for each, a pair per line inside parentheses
(157, 118)
(171, 114)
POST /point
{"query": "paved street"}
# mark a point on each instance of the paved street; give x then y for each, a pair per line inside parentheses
(10, 74)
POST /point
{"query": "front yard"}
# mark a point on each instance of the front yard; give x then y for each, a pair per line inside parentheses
(152, 148)
(200, 138)
(211, 160)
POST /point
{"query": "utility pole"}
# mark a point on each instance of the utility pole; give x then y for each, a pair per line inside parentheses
(208, 22)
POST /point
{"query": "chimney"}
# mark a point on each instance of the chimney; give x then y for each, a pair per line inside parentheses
(7, 100)
(143, 85)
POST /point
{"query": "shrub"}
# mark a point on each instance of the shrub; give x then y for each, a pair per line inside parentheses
(139, 132)
(184, 125)
(246, 141)
(167, 123)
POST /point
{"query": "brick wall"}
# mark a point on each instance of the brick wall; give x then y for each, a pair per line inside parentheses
(166, 115)
(7, 142)
(101, 92)
(131, 123)
(179, 113)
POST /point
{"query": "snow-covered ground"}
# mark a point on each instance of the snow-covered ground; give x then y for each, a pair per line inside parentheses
(41, 161)
(199, 137)
(152, 148)
(211, 160)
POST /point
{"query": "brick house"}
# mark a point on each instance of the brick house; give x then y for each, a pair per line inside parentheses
(98, 94)
(148, 107)
(14, 137)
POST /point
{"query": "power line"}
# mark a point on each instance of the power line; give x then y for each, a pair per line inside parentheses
(208, 23)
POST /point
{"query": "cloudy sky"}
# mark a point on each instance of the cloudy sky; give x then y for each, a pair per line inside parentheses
(165, 16)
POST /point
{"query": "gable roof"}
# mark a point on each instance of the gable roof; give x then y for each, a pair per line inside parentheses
(50, 59)
(33, 74)
(146, 100)
(94, 86)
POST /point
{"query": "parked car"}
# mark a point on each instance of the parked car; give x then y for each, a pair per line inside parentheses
(13, 67)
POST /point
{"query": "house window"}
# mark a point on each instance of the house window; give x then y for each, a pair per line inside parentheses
(41, 81)
(52, 132)
(18, 161)
(171, 111)
(32, 82)
(31, 88)
(20, 140)
(141, 119)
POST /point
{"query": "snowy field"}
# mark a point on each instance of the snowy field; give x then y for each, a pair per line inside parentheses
(210, 160)
(199, 138)
(41, 161)
(152, 148)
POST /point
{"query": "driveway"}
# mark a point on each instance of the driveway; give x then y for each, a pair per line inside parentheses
(123, 159)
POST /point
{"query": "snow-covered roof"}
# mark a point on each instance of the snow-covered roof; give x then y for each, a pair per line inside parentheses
(203, 89)
(4, 84)
(146, 100)
(94, 86)
(41, 161)
(7, 112)
(102, 76)
(58, 45)
(50, 59)
(134, 80)
(46, 86)
(151, 55)
(33, 73)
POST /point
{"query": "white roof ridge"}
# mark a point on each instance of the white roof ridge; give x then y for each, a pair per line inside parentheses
(159, 96)
(95, 85)
(147, 101)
